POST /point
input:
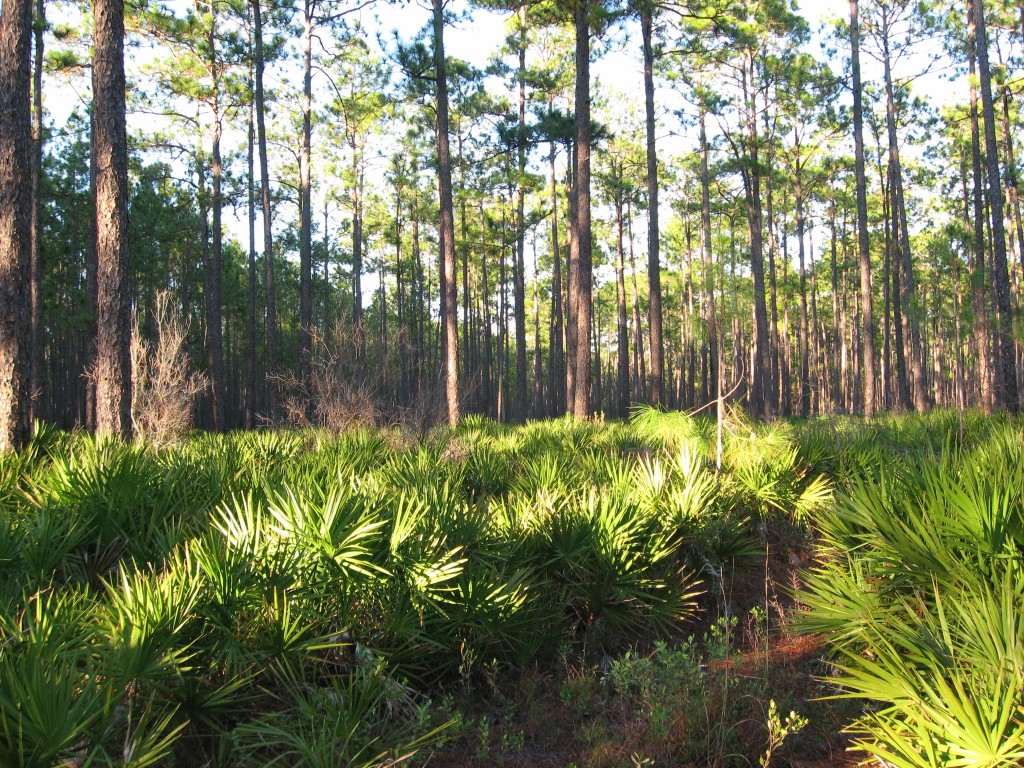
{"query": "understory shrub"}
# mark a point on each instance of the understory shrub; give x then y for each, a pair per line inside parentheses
(921, 595)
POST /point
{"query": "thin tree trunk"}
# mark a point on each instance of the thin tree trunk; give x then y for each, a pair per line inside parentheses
(776, 370)
(537, 409)
(358, 329)
(1004, 310)
(711, 318)
(838, 373)
(580, 278)
(214, 319)
(761, 395)
(268, 231)
(908, 299)
(446, 226)
(36, 291)
(863, 244)
(16, 221)
(113, 339)
(250, 379)
(653, 232)
(805, 371)
(519, 276)
(306, 209)
(977, 229)
(622, 369)
(557, 373)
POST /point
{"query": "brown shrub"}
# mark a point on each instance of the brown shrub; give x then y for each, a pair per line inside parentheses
(164, 387)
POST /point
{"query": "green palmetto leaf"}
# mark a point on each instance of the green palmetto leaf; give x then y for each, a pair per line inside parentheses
(149, 740)
(144, 622)
(336, 531)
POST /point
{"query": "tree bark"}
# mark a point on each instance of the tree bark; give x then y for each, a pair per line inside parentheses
(622, 366)
(250, 377)
(805, 376)
(1004, 310)
(863, 242)
(519, 277)
(36, 290)
(977, 229)
(580, 278)
(15, 222)
(557, 371)
(214, 316)
(761, 399)
(306, 208)
(446, 226)
(711, 318)
(908, 297)
(113, 337)
(268, 231)
(653, 233)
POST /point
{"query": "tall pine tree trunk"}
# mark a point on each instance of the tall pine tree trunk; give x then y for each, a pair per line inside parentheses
(1001, 278)
(977, 229)
(36, 289)
(250, 373)
(557, 371)
(214, 318)
(446, 226)
(762, 402)
(306, 209)
(113, 336)
(268, 231)
(908, 296)
(580, 278)
(622, 366)
(653, 231)
(863, 243)
(519, 277)
(15, 222)
(710, 318)
(805, 375)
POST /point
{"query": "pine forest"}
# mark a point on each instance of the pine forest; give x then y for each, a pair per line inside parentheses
(537, 383)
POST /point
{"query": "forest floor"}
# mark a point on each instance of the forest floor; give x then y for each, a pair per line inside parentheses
(571, 714)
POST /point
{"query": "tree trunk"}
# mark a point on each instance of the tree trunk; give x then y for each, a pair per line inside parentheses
(622, 366)
(557, 372)
(268, 231)
(977, 229)
(250, 374)
(113, 338)
(761, 399)
(519, 278)
(306, 210)
(908, 298)
(863, 243)
(1004, 310)
(711, 318)
(805, 375)
(773, 290)
(15, 222)
(580, 278)
(446, 226)
(36, 291)
(214, 320)
(537, 409)
(653, 233)
(358, 322)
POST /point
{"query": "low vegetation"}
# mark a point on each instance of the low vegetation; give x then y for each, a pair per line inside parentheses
(556, 594)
